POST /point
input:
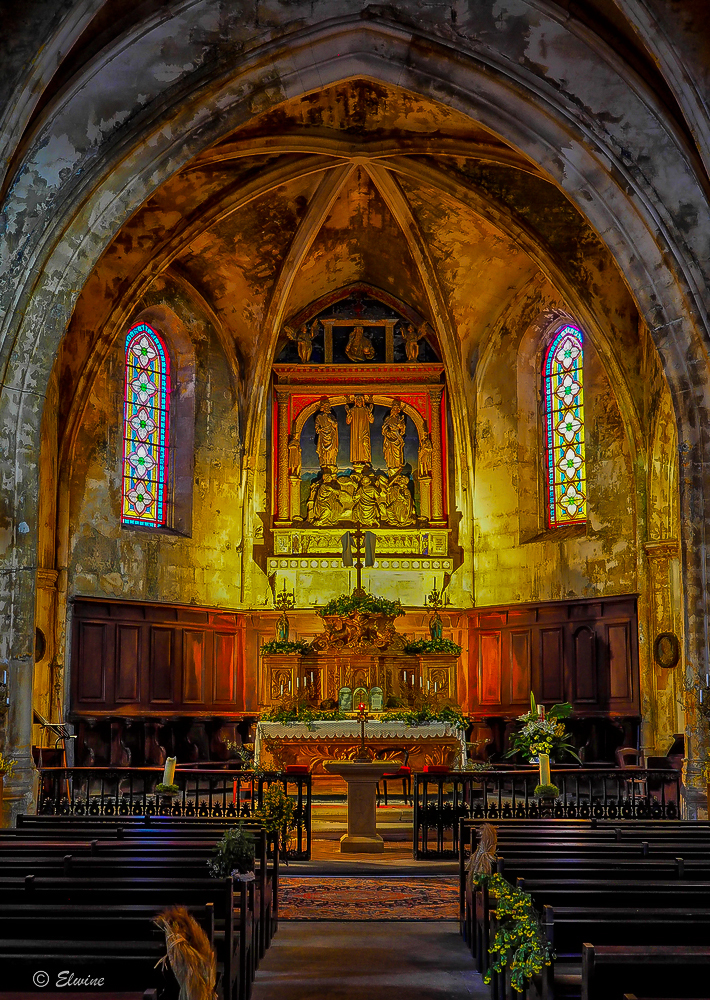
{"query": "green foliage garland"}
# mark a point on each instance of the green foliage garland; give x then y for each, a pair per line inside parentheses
(426, 714)
(276, 814)
(283, 646)
(364, 603)
(234, 852)
(300, 712)
(519, 942)
(432, 646)
(547, 791)
(167, 789)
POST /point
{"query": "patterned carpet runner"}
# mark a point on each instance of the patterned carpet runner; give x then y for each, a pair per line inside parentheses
(367, 898)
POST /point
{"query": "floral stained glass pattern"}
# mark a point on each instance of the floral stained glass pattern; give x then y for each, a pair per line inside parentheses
(564, 429)
(145, 429)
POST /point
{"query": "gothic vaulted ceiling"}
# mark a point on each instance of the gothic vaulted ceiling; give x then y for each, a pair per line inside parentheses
(356, 183)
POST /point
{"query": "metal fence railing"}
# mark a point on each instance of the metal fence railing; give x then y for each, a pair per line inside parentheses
(441, 800)
(94, 793)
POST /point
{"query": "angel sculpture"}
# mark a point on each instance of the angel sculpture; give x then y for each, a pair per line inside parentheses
(303, 339)
(411, 337)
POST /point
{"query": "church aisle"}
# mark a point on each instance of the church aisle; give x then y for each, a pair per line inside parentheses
(368, 960)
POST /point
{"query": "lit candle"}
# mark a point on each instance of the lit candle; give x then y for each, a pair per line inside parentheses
(421, 681)
(298, 680)
(427, 686)
(289, 685)
(434, 687)
(311, 676)
(544, 769)
(282, 689)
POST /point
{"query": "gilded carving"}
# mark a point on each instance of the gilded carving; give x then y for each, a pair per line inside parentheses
(359, 415)
(303, 338)
(327, 435)
(411, 337)
(359, 346)
(393, 428)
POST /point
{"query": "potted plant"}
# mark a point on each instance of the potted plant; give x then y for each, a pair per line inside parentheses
(168, 791)
(276, 814)
(233, 855)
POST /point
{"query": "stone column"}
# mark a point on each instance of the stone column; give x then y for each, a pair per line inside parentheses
(437, 478)
(664, 617)
(282, 489)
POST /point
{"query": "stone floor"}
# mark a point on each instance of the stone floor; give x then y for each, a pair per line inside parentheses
(368, 960)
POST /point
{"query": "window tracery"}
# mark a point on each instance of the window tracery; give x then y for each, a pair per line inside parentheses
(563, 394)
(145, 429)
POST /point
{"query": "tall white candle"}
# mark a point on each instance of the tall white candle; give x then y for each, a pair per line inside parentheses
(544, 769)
(169, 772)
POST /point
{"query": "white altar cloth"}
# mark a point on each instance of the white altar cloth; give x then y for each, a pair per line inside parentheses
(350, 729)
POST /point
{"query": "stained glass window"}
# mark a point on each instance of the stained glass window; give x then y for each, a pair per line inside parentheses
(145, 429)
(562, 376)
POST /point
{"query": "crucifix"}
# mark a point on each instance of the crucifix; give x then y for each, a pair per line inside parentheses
(363, 754)
(358, 537)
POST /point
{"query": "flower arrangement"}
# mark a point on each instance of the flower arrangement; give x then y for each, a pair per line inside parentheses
(426, 714)
(233, 853)
(276, 814)
(364, 603)
(541, 734)
(286, 646)
(432, 646)
(7, 766)
(519, 943)
(546, 791)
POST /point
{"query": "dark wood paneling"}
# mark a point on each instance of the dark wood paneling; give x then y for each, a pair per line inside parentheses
(193, 666)
(581, 651)
(585, 666)
(161, 665)
(551, 658)
(127, 663)
(520, 667)
(620, 684)
(156, 659)
(490, 685)
(92, 645)
(225, 674)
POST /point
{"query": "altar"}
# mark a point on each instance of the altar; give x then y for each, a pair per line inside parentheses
(278, 745)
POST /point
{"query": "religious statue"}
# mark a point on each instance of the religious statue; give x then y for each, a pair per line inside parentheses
(324, 507)
(411, 337)
(359, 416)
(327, 432)
(294, 457)
(359, 346)
(393, 428)
(398, 507)
(367, 498)
(425, 452)
(303, 339)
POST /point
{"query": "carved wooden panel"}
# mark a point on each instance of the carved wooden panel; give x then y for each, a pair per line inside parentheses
(490, 666)
(156, 659)
(581, 651)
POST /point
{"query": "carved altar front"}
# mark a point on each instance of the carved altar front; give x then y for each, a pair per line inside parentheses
(278, 745)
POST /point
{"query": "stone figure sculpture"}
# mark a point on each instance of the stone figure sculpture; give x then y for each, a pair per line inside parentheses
(327, 434)
(393, 428)
(398, 507)
(411, 337)
(360, 416)
(303, 339)
(425, 452)
(359, 346)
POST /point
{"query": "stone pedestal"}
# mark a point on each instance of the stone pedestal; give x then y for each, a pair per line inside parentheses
(362, 778)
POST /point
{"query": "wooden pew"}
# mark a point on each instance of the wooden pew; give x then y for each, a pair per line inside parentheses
(672, 970)
(234, 923)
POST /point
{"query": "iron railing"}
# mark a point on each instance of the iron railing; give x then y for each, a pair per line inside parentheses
(97, 793)
(441, 800)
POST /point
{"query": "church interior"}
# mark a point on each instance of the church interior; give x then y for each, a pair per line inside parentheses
(354, 450)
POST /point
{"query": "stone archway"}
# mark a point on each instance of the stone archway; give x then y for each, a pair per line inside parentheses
(76, 185)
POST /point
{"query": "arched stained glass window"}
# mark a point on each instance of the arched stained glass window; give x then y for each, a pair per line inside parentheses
(562, 377)
(145, 429)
